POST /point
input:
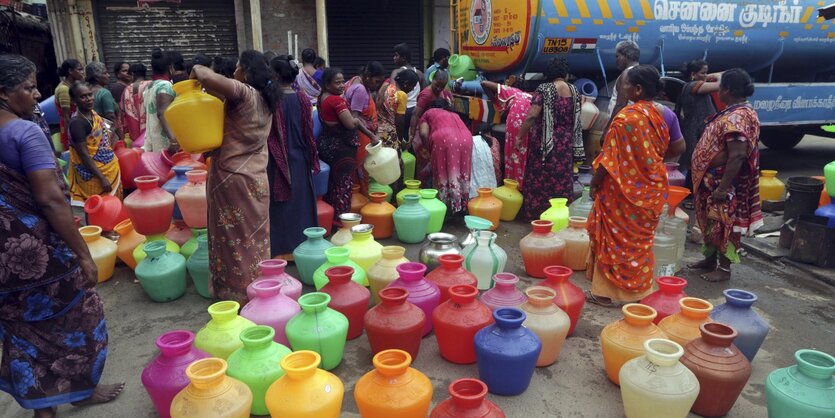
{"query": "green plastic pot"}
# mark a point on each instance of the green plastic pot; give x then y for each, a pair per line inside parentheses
(257, 363)
(319, 328)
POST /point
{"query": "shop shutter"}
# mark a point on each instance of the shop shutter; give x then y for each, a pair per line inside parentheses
(129, 32)
(367, 30)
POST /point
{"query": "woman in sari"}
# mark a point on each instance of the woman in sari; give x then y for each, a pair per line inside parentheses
(305, 82)
(51, 320)
(69, 72)
(629, 189)
(515, 104)
(133, 116)
(553, 124)
(726, 177)
(94, 169)
(358, 95)
(292, 164)
(158, 95)
(434, 91)
(444, 152)
(337, 145)
(694, 106)
(392, 100)
(104, 104)
(238, 187)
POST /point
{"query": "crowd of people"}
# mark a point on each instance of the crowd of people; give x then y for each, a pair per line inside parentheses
(260, 183)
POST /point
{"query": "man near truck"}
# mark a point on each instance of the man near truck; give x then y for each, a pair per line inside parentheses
(627, 55)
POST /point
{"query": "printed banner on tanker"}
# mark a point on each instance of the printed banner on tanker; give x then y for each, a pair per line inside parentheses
(793, 104)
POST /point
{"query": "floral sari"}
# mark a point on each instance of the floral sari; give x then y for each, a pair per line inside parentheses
(387, 128)
(53, 330)
(133, 116)
(723, 223)
(517, 104)
(628, 203)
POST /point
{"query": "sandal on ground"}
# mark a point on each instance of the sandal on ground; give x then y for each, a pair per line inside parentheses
(288, 257)
(601, 300)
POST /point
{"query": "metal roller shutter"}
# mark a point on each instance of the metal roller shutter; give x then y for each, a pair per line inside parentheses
(365, 30)
(129, 33)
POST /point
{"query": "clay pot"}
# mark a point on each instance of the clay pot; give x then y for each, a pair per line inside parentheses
(722, 369)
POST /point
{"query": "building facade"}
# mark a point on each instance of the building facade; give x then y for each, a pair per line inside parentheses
(347, 34)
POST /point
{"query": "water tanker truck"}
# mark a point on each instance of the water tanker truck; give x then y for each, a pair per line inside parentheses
(786, 47)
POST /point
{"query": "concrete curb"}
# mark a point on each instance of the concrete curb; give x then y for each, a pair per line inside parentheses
(771, 251)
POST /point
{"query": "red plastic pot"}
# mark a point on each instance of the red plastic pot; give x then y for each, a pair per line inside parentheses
(347, 297)
(451, 273)
(395, 323)
(665, 299)
(105, 211)
(570, 298)
(456, 322)
(128, 160)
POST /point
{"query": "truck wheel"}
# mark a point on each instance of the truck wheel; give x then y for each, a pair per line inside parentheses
(782, 139)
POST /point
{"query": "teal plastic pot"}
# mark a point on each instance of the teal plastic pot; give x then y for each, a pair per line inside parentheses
(411, 220)
(198, 267)
(310, 254)
(162, 273)
(806, 389)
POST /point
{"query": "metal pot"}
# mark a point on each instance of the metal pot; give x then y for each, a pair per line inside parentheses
(436, 245)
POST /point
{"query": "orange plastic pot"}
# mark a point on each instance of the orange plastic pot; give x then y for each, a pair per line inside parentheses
(393, 389)
(486, 206)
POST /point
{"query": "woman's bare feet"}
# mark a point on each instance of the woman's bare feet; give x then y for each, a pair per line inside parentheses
(706, 264)
(102, 394)
(46, 413)
(721, 274)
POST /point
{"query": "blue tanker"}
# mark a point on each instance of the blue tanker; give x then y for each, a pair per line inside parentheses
(788, 49)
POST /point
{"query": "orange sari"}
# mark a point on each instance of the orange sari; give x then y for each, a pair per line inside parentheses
(628, 203)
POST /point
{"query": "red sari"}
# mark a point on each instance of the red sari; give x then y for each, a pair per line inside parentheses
(723, 223)
(628, 203)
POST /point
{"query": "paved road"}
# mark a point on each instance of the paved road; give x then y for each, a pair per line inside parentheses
(799, 309)
(806, 159)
